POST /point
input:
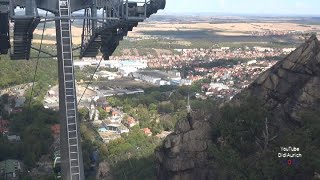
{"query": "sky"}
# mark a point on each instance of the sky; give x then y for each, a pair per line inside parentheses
(269, 7)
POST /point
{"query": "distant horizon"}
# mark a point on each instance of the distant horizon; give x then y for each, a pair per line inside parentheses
(210, 13)
(216, 14)
(237, 14)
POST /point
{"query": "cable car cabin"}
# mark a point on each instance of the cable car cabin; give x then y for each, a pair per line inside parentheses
(4, 33)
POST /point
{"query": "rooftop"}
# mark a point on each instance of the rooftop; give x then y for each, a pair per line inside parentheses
(10, 165)
(157, 74)
(109, 135)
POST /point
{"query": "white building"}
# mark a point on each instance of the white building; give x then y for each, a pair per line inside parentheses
(185, 82)
(175, 73)
(262, 49)
(13, 138)
(138, 64)
(163, 82)
(288, 50)
(251, 62)
(118, 64)
(108, 136)
(219, 86)
(115, 127)
(106, 74)
(125, 71)
(10, 169)
(146, 78)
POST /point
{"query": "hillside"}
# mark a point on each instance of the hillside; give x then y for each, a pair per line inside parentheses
(19, 72)
(243, 139)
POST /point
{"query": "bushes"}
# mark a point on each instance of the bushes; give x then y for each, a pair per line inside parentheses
(20, 72)
(247, 149)
(132, 156)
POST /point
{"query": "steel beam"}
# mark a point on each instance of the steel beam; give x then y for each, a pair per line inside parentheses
(70, 140)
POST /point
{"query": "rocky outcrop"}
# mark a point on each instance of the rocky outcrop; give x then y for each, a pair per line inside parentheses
(103, 172)
(183, 155)
(289, 87)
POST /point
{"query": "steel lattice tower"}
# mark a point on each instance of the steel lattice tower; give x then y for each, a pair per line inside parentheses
(101, 33)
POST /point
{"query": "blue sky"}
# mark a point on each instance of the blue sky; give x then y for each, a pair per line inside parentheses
(276, 7)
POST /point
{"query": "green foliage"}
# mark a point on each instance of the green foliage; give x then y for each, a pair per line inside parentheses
(143, 115)
(307, 139)
(83, 114)
(152, 107)
(132, 156)
(242, 125)
(33, 126)
(87, 149)
(168, 122)
(158, 102)
(114, 101)
(243, 153)
(20, 72)
(165, 108)
(102, 113)
(196, 87)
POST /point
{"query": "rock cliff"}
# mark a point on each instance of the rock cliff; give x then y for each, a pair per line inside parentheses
(184, 154)
(291, 85)
(287, 88)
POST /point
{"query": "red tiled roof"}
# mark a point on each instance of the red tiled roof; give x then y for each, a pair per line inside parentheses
(4, 125)
(55, 129)
(4, 122)
(146, 131)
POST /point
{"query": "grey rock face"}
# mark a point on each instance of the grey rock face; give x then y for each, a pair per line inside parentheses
(183, 155)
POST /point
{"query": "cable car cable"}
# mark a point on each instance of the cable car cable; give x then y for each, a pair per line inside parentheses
(37, 63)
(90, 80)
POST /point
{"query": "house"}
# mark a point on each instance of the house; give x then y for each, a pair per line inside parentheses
(130, 122)
(108, 109)
(116, 116)
(4, 126)
(13, 138)
(115, 127)
(108, 136)
(51, 93)
(115, 113)
(55, 130)
(102, 129)
(10, 169)
(147, 131)
(205, 87)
